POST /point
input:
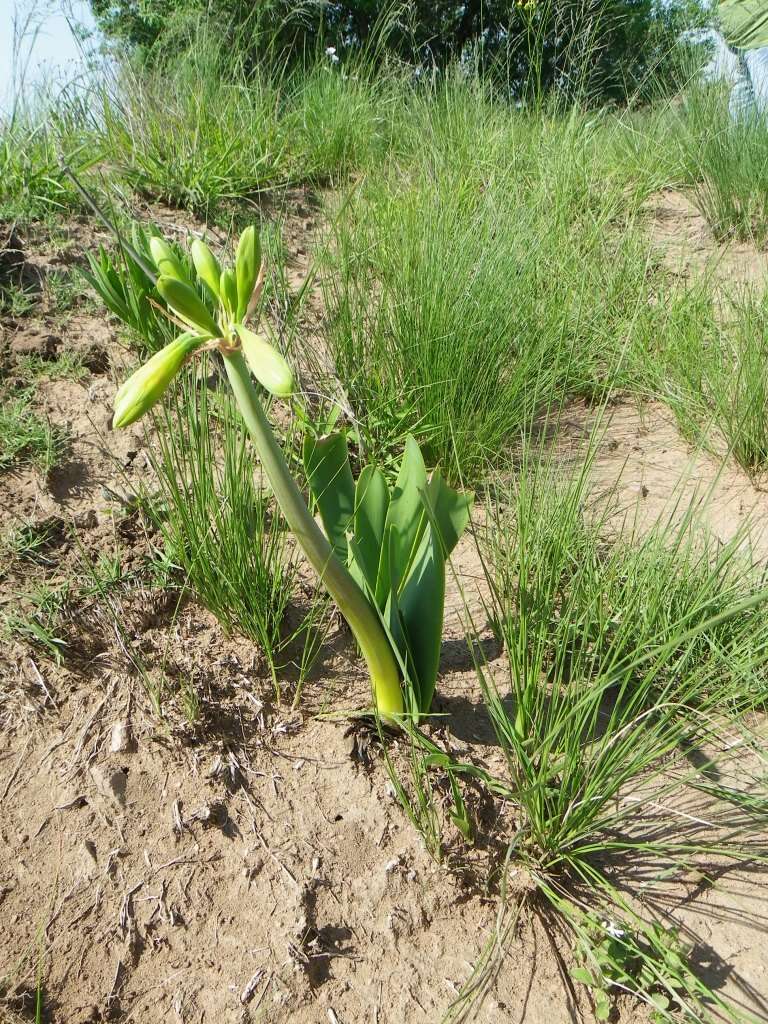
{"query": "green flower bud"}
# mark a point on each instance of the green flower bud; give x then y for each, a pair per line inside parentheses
(184, 300)
(267, 365)
(228, 290)
(247, 266)
(147, 385)
(206, 265)
(166, 260)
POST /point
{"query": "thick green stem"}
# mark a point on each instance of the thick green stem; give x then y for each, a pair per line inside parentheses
(350, 599)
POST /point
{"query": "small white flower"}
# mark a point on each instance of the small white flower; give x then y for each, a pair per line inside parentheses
(334, 59)
(613, 930)
(330, 51)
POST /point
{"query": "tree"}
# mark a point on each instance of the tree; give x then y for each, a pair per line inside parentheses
(602, 48)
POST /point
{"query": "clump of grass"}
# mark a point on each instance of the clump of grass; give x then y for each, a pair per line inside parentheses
(715, 367)
(627, 666)
(727, 162)
(192, 137)
(30, 541)
(67, 365)
(17, 299)
(341, 119)
(32, 141)
(38, 619)
(463, 296)
(219, 523)
(26, 437)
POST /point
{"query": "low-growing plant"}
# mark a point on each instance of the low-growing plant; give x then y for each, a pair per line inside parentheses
(18, 300)
(614, 955)
(388, 578)
(66, 366)
(38, 619)
(30, 540)
(26, 437)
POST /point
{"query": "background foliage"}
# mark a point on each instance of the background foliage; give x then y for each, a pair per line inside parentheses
(606, 49)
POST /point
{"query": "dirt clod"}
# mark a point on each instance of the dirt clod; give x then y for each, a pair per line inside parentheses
(35, 342)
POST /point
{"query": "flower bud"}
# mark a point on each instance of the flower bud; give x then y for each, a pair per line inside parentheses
(247, 266)
(166, 260)
(147, 385)
(267, 365)
(206, 265)
(228, 290)
(184, 300)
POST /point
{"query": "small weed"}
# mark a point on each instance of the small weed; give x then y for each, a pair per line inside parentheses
(614, 956)
(31, 541)
(18, 300)
(41, 624)
(63, 292)
(66, 366)
(27, 438)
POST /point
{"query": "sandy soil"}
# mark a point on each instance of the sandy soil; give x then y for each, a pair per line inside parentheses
(256, 865)
(687, 248)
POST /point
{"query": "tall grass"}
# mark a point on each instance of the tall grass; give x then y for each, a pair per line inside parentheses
(713, 373)
(219, 524)
(628, 661)
(493, 272)
(32, 145)
(726, 161)
(190, 137)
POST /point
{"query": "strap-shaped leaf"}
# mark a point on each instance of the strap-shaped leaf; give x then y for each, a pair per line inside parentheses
(421, 599)
(448, 510)
(371, 506)
(421, 602)
(393, 621)
(326, 462)
(405, 521)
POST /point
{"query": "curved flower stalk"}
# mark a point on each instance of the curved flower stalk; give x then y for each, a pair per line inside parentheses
(237, 294)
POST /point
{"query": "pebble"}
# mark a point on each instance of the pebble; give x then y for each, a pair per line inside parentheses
(120, 737)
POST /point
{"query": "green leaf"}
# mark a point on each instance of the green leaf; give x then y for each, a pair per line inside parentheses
(421, 603)
(405, 521)
(371, 505)
(393, 621)
(582, 974)
(438, 760)
(326, 461)
(448, 509)
(602, 1005)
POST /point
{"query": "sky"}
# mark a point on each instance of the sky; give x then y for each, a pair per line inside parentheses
(54, 51)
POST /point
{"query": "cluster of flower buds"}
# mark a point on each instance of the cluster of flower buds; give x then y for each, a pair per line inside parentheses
(234, 293)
